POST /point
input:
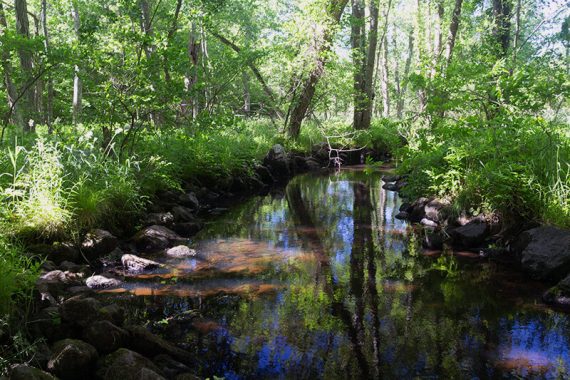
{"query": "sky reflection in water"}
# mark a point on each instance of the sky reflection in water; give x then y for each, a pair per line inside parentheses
(320, 282)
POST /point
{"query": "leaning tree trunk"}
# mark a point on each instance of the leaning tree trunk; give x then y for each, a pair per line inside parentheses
(77, 83)
(335, 8)
(453, 27)
(28, 105)
(11, 92)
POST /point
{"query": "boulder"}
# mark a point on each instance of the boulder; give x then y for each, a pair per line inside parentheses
(391, 178)
(137, 264)
(124, 364)
(402, 215)
(148, 344)
(170, 367)
(312, 164)
(56, 252)
(187, 229)
(320, 152)
(113, 313)
(47, 324)
(72, 359)
(101, 282)
(25, 372)
(559, 295)
(80, 311)
(434, 210)
(545, 252)
(390, 187)
(189, 200)
(264, 174)
(98, 243)
(183, 214)
(471, 235)
(156, 238)
(277, 162)
(105, 336)
(428, 223)
(159, 218)
(180, 252)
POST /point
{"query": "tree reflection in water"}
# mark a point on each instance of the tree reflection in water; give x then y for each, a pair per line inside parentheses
(350, 297)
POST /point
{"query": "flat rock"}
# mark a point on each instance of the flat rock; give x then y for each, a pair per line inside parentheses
(156, 238)
(137, 264)
(180, 251)
(101, 282)
(545, 252)
(72, 359)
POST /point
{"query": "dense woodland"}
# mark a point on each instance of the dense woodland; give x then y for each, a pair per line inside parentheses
(108, 102)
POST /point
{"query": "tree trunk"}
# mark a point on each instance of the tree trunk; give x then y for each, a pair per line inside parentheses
(192, 104)
(335, 8)
(502, 25)
(452, 35)
(169, 39)
(7, 69)
(400, 105)
(29, 98)
(77, 83)
(358, 41)
(50, 95)
(397, 80)
(246, 93)
(385, 80)
(370, 65)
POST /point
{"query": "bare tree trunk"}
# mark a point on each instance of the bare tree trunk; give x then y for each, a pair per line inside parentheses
(205, 63)
(335, 8)
(385, 80)
(419, 28)
(77, 83)
(370, 65)
(7, 69)
(146, 26)
(246, 93)
(400, 105)
(502, 24)
(517, 30)
(50, 95)
(453, 27)
(397, 80)
(28, 99)
(169, 38)
(358, 41)
(438, 37)
(191, 77)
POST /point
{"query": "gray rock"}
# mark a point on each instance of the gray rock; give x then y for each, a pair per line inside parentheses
(545, 252)
(471, 235)
(264, 174)
(180, 251)
(124, 364)
(150, 345)
(156, 238)
(189, 200)
(80, 311)
(183, 214)
(428, 223)
(312, 164)
(277, 162)
(187, 229)
(98, 243)
(72, 359)
(391, 178)
(101, 282)
(105, 336)
(137, 264)
(25, 372)
(159, 218)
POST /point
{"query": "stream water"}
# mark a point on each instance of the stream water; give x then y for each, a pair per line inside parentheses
(321, 281)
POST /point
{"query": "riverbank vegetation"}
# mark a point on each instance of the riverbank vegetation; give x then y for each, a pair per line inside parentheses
(108, 102)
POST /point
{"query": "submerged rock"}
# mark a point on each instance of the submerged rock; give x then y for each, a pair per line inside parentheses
(137, 264)
(125, 364)
(545, 252)
(156, 238)
(98, 243)
(72, 359)
(181, 251)
(559, 295)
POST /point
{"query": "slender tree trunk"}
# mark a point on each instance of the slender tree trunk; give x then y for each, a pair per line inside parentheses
(385, 80)
(77, 83)
(335, 8)
(11, 91)
(358, 41)
(370, 65)
(397, 80)
(169, 38)
(28, 99)
(517, 31)
(452, 35)
(191, 78)
(50, 94)
(246, 93)
(400, 105)
(420, 29)
(438, 37)
(146, 27)
(502, 25)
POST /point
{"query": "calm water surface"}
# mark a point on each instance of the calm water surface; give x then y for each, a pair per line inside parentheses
(321, 281)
